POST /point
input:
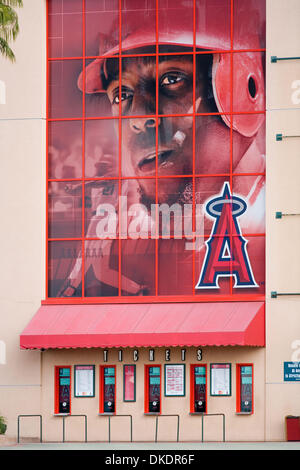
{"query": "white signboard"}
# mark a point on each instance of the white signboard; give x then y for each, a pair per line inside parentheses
(174, 380)
(84, 381)
(220, 379)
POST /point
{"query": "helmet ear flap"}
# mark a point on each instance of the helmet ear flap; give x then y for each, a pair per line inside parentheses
(248, 90)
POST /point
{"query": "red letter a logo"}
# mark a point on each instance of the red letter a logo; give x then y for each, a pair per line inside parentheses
(226, 253)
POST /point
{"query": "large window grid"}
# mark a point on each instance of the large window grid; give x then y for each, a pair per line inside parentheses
(78, 241)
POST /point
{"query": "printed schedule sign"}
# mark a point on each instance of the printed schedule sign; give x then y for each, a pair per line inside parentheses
(220, 379)
(174, 380)
(84, 381)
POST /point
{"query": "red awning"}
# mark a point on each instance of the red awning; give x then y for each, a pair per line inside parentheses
(146, 325)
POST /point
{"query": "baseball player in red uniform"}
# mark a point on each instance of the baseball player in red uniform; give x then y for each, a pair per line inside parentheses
(171, 156)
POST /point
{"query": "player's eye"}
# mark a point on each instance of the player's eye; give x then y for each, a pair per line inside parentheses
(171, 78)
(117, 97)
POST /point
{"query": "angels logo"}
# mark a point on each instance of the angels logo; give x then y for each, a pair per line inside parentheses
(226, 252)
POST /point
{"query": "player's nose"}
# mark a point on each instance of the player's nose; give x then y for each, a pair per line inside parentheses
(143, 114)
(142, 124)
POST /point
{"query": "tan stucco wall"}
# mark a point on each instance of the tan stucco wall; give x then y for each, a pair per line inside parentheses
(22, 193)
(22, 278)
(282, 190)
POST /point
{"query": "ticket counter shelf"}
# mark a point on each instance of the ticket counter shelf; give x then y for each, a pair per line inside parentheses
(209, 414)
(152, 413)
(67, 415)
(31, 416)
(110, 415)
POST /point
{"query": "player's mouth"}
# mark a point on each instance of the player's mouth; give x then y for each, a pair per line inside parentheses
(164, 159)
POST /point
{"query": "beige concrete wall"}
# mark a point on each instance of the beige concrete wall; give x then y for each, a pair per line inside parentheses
(22, 193)
(238, 427)
(25, 79)
(283, 248)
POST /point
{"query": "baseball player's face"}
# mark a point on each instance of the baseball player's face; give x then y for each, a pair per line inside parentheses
(172, 153)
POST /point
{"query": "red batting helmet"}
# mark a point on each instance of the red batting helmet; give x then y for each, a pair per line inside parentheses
(213, 33)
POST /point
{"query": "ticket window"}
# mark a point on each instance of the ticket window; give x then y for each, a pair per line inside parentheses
(198, 389)
(245, 388)
(108, 389)
(63, 390)
(153, 389)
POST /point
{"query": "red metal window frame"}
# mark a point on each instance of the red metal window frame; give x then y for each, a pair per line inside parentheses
(101, 387)
(192, 387)
(193, 297)
(238, 386)
(146, 387)
(56, 388)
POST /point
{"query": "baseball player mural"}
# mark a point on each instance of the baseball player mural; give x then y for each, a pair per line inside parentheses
(171, 201)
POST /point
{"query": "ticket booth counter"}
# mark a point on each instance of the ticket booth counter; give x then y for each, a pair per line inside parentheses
(134, 387)
(121, 370)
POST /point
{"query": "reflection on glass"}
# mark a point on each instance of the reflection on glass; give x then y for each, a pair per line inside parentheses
(252, 189)
(101, 209)
(99, 74)
(213, 24)
(102, 26)
(64, 149)
(138, 267)
(65, 29)
(253, 157)
(64, 269)
(64, 210)
(175, 146)
(249, 20)
(174, 20)
(175, 207)
(249, 89)
(134, 13)
(101, 268)
(101, 149)
(212, 149)
(55, 6)
(65, 99)
(207, 188)
(175, 267)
